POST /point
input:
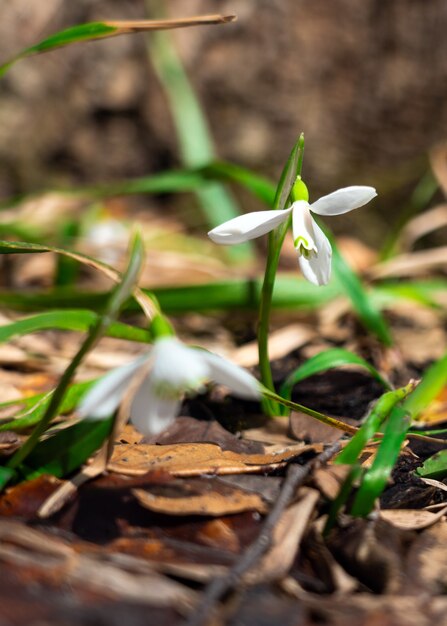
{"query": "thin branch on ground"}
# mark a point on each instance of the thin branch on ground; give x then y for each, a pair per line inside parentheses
(219, 587)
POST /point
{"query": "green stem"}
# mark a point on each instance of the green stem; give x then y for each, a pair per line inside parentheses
(265, 307)
(275, 241)
(118, 298)
(321, 417)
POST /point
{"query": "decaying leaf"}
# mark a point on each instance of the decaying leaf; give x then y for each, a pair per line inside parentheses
(286, 539)
(202, 458)
(427, 560)
(329, 479)
(136, 581)
(190, 430)
(199, 498)
(412, 519)
(281, 342)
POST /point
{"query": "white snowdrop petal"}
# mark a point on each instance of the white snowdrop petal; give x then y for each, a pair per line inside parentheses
(177, 365)
(226, 373)
(317, 267)
(303, 226)
(105, 396)
(248, 226)
(343, 200)
(149, 412)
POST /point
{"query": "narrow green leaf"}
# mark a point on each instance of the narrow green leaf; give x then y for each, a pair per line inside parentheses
(99, 30)
(194, 138)
(120, 293)
(20, 247)
(434, 467)
(350, 283)
(377, 476)
(323, 361)
(6, 476)
(259, 186)
(35, 407)
(83, 32)
(382, 408)
(288, 176)
(80, 320)
(342, 497)
(290, 292)
(421, 196)
(384, 296)
(433, 382)
(68, 449)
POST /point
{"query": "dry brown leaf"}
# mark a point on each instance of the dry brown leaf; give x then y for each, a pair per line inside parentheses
(411, 519)
(412, 264)
(9, 442)
(287, 537)
(418, 332)
(281, 343)
(330, 478)
(188, 500)
(218, 533)
(202, 458)
(131, 579)
(359, 256)
(136, 26)
(306, 428)
(191, 430)
(427, 560)
(422, 225)
(434, 483)
(274, 431)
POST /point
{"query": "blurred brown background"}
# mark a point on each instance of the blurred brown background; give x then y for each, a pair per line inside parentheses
(366, 81)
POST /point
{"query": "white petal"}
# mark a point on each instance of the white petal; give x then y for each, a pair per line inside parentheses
(317, 267)
(237, 379)
(303, 226)
(343, 200)
(177, 366)
(150, 413)
(105, 396)
(248, 226)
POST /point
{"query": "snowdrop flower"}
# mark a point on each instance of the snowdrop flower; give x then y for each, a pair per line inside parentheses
(163, 376)
(312, 245)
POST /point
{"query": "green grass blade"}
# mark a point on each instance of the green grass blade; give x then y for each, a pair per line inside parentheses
(35, 406)
(423, 292)
(342, 497)
(375, 480)
(382, 408)
(350, 283)
(20, 247)
(323, 361)
(119, 295)
(7, 475)
(65, 451)
(259, 186)
(194, 138)
(83, 32)
(288, 176)
(433, 382)
(434, 467)
(290, 292)
(80, 320)
(100, 30)
(421, 196)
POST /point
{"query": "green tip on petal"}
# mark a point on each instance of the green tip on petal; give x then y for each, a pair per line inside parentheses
(300, 191)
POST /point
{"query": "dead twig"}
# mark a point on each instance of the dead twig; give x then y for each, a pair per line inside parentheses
(296, 475)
